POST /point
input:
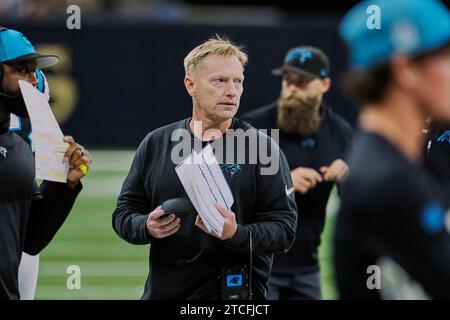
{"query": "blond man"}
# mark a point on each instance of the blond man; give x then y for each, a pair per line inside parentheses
(187, 261)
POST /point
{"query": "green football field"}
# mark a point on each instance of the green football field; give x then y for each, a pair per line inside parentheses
(110, 267)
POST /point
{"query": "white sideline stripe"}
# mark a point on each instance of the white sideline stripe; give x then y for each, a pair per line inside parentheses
(102, 187)
(112, 160)
(73, 248)
(127, 268)
(52, 292)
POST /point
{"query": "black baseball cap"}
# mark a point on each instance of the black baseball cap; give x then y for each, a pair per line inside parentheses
(307, 61)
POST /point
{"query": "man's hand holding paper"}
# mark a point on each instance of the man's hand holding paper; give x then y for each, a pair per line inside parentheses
(58, 158)
(77, 157)
(229, 225)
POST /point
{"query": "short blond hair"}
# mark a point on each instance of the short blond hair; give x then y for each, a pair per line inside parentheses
(213, 46)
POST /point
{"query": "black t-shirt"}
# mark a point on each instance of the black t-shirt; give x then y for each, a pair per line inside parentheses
(29, 215)
(392, 209)
(261, 204)
(330, 143)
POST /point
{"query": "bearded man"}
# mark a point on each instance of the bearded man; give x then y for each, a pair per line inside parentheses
(314, 141)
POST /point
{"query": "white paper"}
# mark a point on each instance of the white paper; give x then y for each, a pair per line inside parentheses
(47, 136)
(205, 185)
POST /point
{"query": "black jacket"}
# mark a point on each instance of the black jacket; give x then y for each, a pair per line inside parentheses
(29, 215)
(261, 205)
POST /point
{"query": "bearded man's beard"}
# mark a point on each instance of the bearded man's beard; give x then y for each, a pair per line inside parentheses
(298, 115)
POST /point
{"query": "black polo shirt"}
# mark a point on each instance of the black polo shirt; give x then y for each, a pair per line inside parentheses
(330, 143)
